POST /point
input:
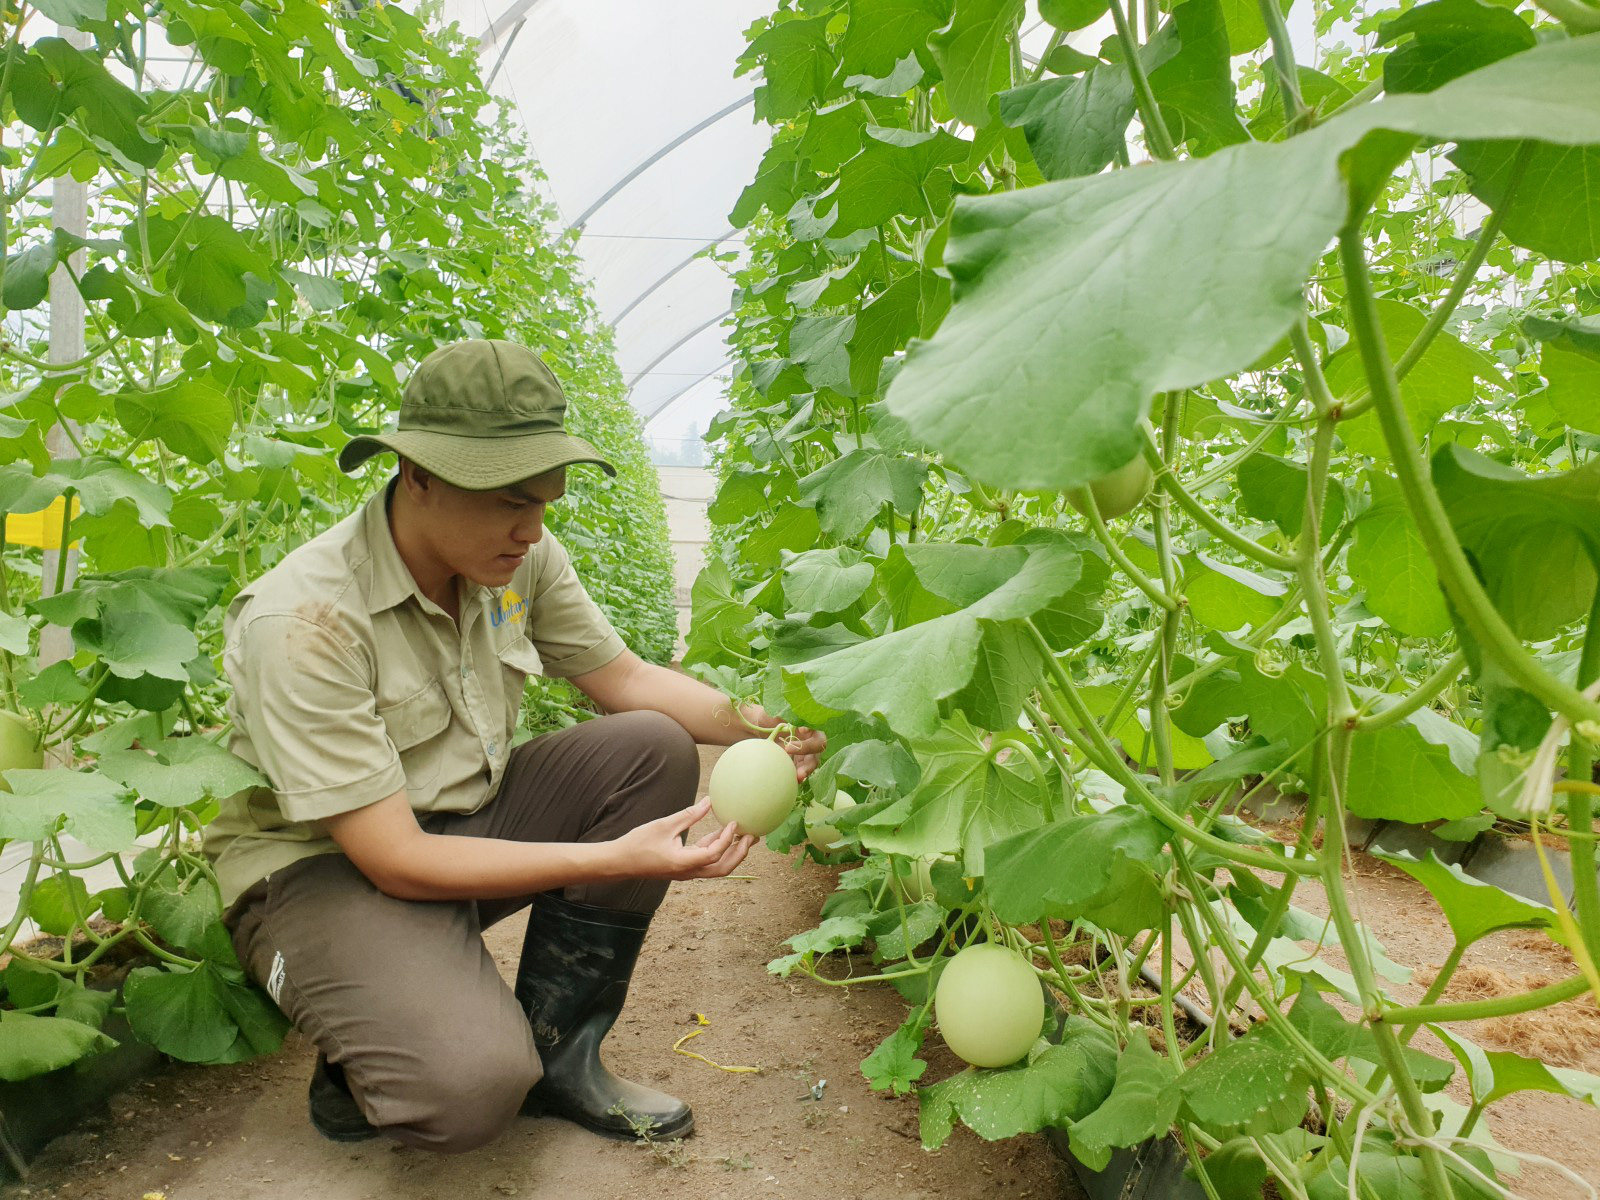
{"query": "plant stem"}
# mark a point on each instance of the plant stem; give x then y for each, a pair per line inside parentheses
(1156, 135)
(1472, 604)
(1482, 1010)
(1464, 276)
(1294, 108)
(1079, 724)
(1580, 801)
(1160, 729)
(1424, 692)
(1097, 525)
(1204, 518)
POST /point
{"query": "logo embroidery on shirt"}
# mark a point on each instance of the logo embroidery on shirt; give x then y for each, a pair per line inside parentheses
(275, 977)
(512, 608)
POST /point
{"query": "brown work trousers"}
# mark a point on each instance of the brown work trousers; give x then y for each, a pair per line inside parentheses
(403, 993)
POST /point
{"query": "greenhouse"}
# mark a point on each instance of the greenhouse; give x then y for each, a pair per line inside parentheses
(794, 598)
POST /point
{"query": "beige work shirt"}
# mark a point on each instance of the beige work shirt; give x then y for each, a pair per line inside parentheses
(349, 685)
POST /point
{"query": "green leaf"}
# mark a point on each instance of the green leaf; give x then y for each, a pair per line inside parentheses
(1555, 210)
(76, 13)
(1225, 597)
(182, 912)
(15, 634)
(898, 173)
(1075, 125)
(1495, 1074)
(1194, 86)
(852, 489)
(1068, 15)
(1419, 770)
(1061, 1084)
(321, 292)
(213, 265)
(964, 801)
(882, 32)
(1445, 377)
(31, 1045)
(180, 1012)
(797, 65)
(98, 812)
(88, 1006)
(1100, 867)
(1535, 539)
(57, 902)
(894, 1065)
(720, 625)
(1389, 559)
(29, 985)
(881, 328)
(825, 581)
(835, 933)
(98, 482)
(820, 347)
(1254, 1085)
(972, 51)
(189, 417)
(133, 644)
(1043, 338)
(182, 772)
(873, 678)
(25, 277)
(106, 107)
(1574, 380)
(1274, 489)
(1247, 30)
(1448, 38)
(1474, 909)
(1140, 1106)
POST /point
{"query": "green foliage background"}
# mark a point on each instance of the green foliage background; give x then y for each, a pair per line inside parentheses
(279, 228)
(979, 283)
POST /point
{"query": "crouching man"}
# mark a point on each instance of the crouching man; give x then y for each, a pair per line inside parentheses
(378, 673)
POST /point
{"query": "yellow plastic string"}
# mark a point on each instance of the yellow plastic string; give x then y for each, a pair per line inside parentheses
(1564, 918)
(703, 1022)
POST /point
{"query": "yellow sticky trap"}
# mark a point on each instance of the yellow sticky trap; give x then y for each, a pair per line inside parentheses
(702, 1022)
(42, 529)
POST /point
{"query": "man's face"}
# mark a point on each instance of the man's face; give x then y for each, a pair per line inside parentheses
(484, 536)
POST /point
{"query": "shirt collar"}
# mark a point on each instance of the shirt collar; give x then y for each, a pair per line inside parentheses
(391, 581)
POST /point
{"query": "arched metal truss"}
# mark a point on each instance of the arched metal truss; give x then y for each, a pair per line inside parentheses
(658, 156)
(655, 412)
(677, 345)
(649, 291)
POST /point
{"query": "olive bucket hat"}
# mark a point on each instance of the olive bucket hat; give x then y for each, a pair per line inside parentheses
(480, 415)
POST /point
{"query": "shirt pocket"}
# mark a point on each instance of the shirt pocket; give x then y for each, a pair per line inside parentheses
(518, 660)
(417, 726)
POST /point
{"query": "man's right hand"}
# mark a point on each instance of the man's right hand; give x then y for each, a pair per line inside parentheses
(656, 849)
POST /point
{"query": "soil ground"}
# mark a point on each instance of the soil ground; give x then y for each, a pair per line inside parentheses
(240, 1133)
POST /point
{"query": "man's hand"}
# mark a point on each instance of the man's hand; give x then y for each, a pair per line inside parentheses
(655, 850)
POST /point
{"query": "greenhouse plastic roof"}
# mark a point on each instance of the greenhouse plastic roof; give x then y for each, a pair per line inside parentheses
(647, 138)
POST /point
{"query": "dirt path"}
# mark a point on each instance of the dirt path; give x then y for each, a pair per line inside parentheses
(241, 1132)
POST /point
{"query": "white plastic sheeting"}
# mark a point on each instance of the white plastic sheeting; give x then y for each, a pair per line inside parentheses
(647, 137)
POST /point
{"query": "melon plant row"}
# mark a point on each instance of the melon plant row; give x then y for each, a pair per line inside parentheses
(1131, 428)
(279, 223)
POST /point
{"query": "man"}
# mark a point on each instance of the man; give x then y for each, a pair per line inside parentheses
(378, 672)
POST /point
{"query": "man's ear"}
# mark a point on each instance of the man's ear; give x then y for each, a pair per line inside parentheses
(419, 482)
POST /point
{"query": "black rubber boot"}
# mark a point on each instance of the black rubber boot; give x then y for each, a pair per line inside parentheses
(334, 1112)
(571, 981)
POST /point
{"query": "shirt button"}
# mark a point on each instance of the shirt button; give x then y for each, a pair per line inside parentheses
(463, 670)
(491, 749)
